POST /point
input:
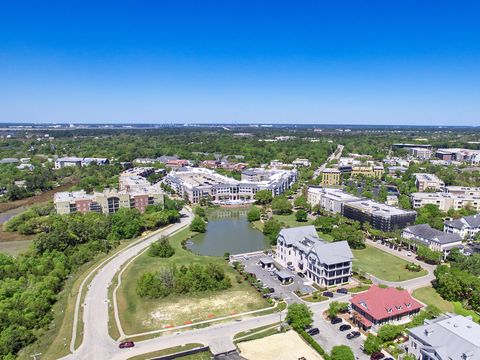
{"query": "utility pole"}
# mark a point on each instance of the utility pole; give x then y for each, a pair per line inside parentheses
(34, 356)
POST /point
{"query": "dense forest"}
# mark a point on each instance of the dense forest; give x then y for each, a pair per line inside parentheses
(30, 283)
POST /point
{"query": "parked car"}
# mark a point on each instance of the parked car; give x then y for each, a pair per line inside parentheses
(389, 358)
(342, 291)
(313, 331)
(344, 327)
(377, 356)
(302, 275)
(409, 253)
(126, 344)
(353, 335)
(291, 267)
(328, 293)
(271, 289)
(335, 320)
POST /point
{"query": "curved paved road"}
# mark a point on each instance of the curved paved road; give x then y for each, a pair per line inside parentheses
(97, 343)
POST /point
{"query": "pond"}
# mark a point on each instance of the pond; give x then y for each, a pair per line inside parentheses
(228, 231)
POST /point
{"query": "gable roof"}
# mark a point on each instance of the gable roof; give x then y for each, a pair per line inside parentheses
(381, 303)
(425, 231)
(333, 253)
(472, 221)
(296, 234)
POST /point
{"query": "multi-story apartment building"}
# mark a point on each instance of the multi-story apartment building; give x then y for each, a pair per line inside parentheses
(331, 176)
(326, 264)
(428, 181)
(446, 337)
(375, 171)
(108, 201)
(445, 201)
(434, 239)
(379, 306)
(463, 190)
(300, 162)
(463, 155)
(193, 184)
(380, 216)
(77, 161)
(329, 199)
(467, 227)
(420, 153)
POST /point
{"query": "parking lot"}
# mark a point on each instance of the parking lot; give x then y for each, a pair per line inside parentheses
(331, 336)
(284, 291)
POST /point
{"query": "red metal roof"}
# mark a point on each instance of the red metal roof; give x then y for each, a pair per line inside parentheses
(381, 303)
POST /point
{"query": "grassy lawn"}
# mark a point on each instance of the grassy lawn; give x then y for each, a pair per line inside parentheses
(169, 351)
(317, 298)
(290, 221)
(359, 288)
(140, 315)
(429, 296)
(383, 265)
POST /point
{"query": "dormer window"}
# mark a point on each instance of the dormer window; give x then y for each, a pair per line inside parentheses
(409, 305)
(364, 304)
(389, 310)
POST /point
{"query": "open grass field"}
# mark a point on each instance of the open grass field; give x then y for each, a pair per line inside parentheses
(429, 296)
(383, 265)
(140, 315)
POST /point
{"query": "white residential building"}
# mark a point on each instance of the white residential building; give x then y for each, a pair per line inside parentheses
(77, 161)
(467, 227)
(445, 201)
(449, 337)
(193, 184)
(329, 199)
(434, 239)
(326, 264)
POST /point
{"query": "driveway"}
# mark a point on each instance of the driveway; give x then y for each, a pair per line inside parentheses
(330, 336)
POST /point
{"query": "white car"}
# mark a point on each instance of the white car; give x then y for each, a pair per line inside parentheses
(409, 253)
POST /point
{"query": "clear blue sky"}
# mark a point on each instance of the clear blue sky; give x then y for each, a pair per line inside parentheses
(362, 62)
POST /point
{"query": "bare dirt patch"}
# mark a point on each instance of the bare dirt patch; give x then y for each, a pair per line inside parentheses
(286, 346)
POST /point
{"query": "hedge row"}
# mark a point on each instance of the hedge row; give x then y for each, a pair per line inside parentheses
(313, 343)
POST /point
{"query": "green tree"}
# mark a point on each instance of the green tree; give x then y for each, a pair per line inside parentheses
(404, 202)
(263, 197)
(299, 316)
(281, 205)
(301, 215)
(336, 307)
(271, 228)
(390, 332)
(161, 248)
(342, 352)
(301, 202)
(198, 225)
(372, 344)
(125, 224)
(253, 214)
(200, 211)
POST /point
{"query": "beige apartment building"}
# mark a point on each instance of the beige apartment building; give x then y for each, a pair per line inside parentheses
(331, 176)
(374, 171)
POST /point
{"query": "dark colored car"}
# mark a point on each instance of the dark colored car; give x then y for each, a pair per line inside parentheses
(126, 344)
(302, 275)
(389, 358)
(342, 291)
(344, 327)
(328, 294)
(313, 331)
(335, 320)
(377, 356)
(353, 335)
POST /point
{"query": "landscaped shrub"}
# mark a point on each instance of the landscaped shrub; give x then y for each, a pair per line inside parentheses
(161, 248)
(413, 267)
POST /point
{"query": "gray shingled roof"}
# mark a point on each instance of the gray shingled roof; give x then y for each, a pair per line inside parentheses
(293, 235)
(425, 231)
(471, 221)
(333, 253)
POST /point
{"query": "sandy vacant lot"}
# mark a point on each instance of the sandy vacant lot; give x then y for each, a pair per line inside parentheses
(286, 346)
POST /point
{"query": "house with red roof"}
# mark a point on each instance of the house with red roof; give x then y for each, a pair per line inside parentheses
(379, 306)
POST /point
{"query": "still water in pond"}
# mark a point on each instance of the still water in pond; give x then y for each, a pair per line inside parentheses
(228, 231)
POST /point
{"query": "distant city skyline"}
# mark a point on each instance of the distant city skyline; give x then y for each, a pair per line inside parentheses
(306, 62)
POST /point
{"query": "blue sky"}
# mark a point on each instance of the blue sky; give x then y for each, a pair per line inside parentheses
(350, 62)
